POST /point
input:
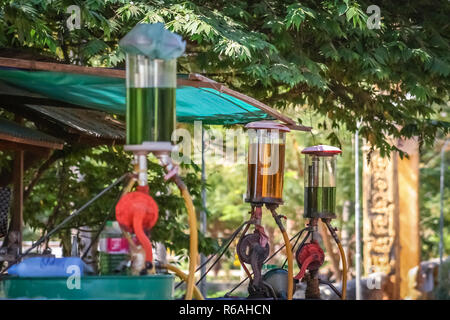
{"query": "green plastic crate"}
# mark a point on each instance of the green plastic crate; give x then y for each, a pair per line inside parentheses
(150, 287)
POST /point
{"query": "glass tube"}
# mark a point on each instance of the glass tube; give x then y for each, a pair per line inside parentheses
(320, 186)
(266, 155)
(151, 111)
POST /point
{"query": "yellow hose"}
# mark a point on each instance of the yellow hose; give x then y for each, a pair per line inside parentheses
(289, 257)
(344, 260)
(166, 162)
(290, 260)
(344, 270)
(128, 187)
(193, 240)
(183, 276)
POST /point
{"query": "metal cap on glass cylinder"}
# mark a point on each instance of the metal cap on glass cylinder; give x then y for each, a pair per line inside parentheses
(320, 181)
(266, 151)
(151, 54)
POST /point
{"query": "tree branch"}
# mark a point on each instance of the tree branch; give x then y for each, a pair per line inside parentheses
(56, 155)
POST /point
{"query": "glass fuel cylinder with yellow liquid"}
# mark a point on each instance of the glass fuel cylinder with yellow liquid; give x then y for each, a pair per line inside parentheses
(266, 153)
(320, 181)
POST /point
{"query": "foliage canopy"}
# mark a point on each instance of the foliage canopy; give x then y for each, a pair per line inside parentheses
(316, 53)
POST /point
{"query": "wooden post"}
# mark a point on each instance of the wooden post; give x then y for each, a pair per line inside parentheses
(391, 215)
(15, 236)
(408, 231)
(380, 206)
(345, 235)
(15, 229)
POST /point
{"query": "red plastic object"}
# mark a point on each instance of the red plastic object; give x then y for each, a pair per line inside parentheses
(310, 257)
(136, 212)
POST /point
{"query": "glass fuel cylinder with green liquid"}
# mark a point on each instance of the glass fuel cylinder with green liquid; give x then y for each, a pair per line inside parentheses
(320, 181)
(151, 112)
(151, 69)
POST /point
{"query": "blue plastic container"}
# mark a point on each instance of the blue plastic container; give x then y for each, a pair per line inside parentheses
(48, 267)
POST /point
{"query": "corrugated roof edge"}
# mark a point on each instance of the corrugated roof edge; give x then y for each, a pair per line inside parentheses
(14, 132)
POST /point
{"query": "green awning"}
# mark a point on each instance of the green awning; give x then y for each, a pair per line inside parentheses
(108, 94)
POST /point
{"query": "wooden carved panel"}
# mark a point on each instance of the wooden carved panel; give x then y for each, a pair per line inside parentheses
(379, 212)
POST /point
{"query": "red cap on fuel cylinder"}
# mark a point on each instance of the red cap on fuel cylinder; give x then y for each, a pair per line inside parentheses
(322, 150)
(268, 125)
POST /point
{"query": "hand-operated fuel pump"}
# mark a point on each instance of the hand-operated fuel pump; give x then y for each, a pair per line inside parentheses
(151, 54)
(266, 154)
(320, 202)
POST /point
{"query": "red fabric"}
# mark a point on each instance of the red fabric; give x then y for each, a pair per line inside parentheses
(137, 212)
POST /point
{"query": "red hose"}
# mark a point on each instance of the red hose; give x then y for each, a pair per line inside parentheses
(141, 236)
(305, 265)
(309, 257)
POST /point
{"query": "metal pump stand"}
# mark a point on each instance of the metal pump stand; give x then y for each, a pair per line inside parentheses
(254, 249)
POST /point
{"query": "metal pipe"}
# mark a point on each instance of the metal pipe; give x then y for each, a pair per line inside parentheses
(221, 250)
(328, 283)
(74, 214)
(357, 218)
(203, 217)
(142, 173)
(228, 243)
(441, 218)
(315, 172)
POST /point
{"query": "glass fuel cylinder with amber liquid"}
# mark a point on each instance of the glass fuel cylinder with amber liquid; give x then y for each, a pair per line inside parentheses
(266, 152)
(151, 85)
(320, 181)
